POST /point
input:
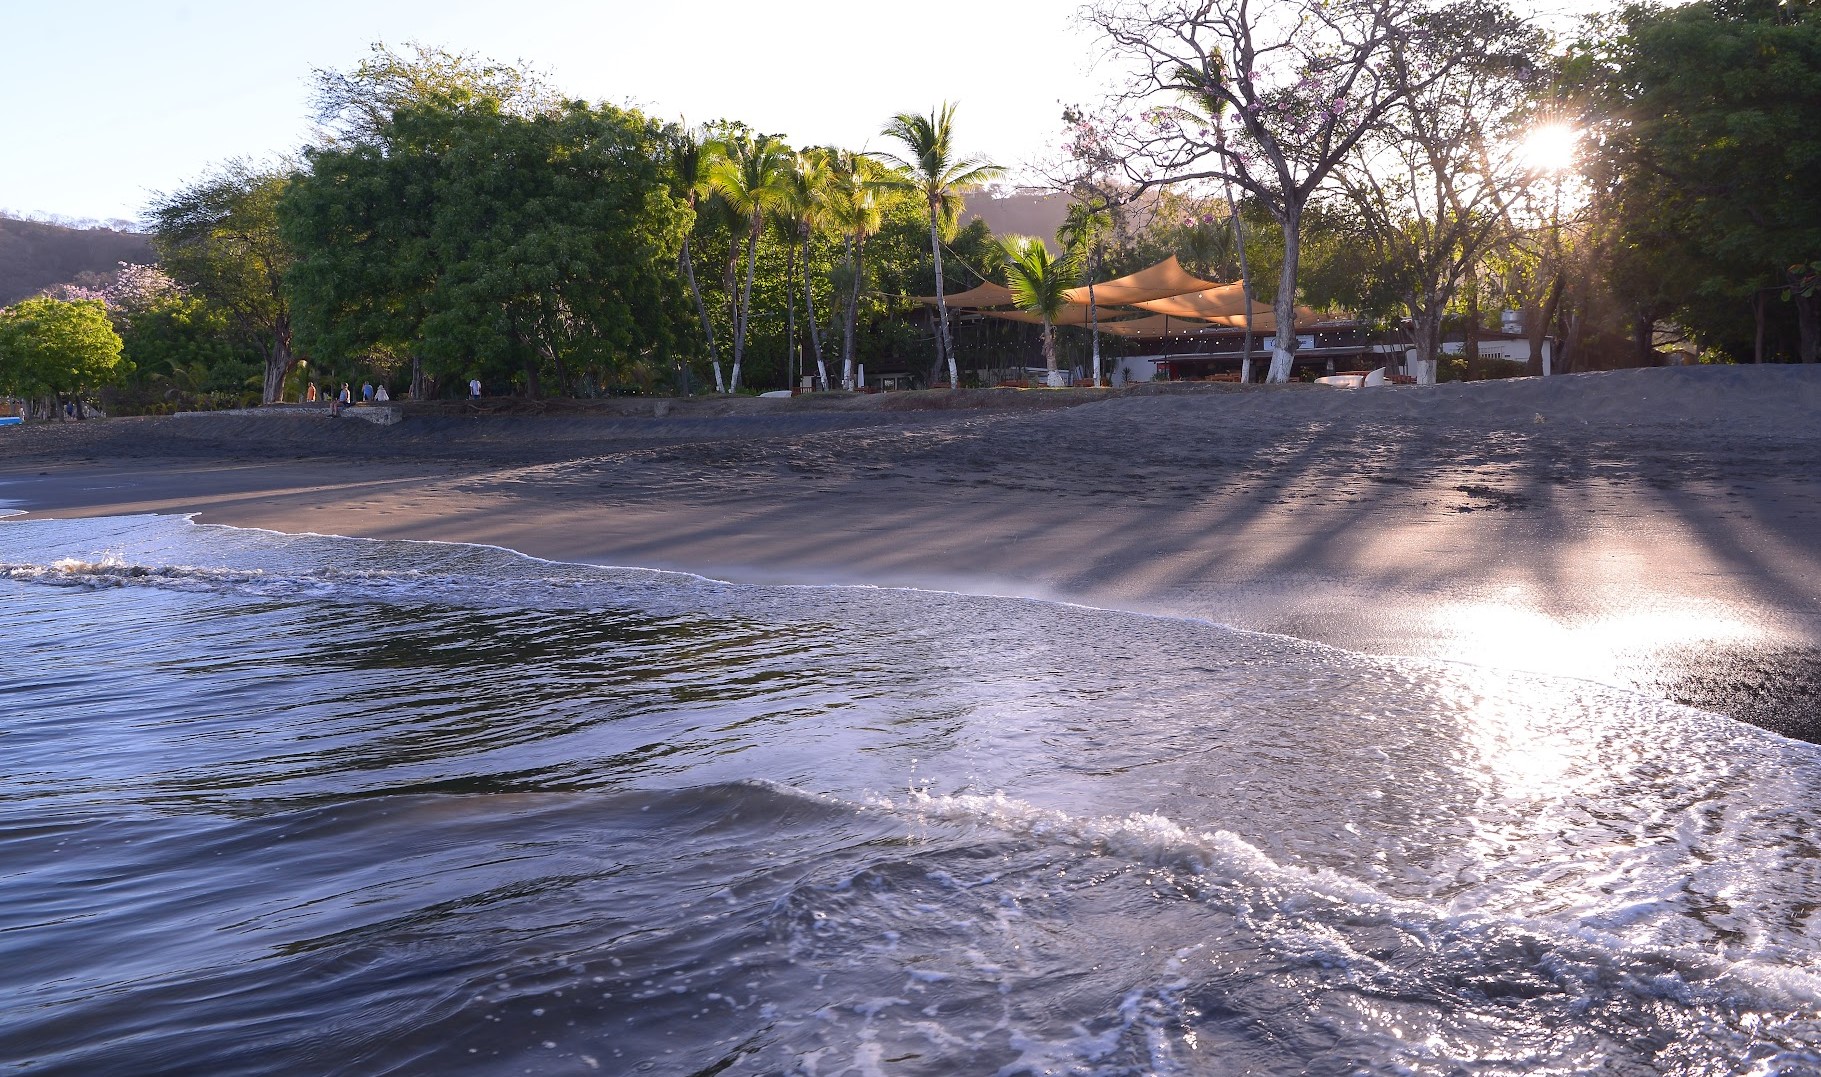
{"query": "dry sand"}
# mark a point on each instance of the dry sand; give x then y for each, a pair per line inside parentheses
(1656, 529)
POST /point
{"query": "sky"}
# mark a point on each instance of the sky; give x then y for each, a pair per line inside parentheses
(103, 105)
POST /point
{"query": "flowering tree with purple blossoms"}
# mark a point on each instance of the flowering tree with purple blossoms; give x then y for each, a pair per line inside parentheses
(1269, 97)
(126, 291)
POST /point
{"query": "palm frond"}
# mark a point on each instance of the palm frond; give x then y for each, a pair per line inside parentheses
(1039, 282)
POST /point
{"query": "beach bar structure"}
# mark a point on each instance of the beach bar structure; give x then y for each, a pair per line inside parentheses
(1189, 351)
(1185, 328)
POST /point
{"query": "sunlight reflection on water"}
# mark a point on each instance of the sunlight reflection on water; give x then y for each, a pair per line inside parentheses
(414, 808)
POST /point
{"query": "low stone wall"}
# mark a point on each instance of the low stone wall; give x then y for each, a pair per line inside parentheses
(378, 415)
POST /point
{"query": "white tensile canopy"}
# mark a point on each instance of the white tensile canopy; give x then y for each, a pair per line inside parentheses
(1219, 301)
(1067, 316)
(986, 295)
(1166, 278)
(1161, 281)
(1180, 304)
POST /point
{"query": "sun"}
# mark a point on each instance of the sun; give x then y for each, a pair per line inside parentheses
(1550, 147)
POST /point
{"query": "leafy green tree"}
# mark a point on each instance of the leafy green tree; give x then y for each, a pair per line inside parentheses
(357, 105)
(939, 172)
(52, 347)
(1705, 113)
(220, 236)
(1040, 285)
(188, 343)
(487, 242)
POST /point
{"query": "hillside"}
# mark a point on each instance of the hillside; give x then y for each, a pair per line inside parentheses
(35, 255)
(1018, 213)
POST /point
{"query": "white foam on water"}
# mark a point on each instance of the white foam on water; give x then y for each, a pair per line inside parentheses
(1300, 898)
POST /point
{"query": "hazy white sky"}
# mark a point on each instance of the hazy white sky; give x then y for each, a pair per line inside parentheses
(102, 104)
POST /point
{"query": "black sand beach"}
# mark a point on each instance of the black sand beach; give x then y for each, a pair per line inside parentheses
(1653, 529)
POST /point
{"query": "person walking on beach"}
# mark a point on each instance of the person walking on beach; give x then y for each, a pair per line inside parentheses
(474, 389)
(366, 393)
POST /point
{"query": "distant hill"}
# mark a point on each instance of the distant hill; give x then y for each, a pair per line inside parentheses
(35, 255)
(1018, 213)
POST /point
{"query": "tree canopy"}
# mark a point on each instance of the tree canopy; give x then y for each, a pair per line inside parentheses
(56, 347)
(220, 235)
(488, 243)
(1705, 116)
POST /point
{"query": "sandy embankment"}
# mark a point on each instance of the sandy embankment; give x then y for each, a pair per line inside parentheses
(1651, 528)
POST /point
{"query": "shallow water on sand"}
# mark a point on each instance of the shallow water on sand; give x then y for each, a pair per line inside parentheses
(311, 805)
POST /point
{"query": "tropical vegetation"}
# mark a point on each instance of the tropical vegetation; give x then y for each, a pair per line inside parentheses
(1646, 187)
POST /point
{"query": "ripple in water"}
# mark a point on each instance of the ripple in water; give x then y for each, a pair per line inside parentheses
(313, 805)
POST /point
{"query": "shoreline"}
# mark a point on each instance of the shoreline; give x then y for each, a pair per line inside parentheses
(1673, 548)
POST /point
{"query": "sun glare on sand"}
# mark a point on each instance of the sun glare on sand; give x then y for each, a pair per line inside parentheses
(1512, 635)
(1550, 147)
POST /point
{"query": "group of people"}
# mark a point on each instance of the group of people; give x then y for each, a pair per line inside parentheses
(369, 394)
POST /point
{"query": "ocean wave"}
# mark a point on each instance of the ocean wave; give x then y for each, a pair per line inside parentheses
(1218, 860)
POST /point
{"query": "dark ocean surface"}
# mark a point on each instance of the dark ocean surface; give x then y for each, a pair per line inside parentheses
(318, 805)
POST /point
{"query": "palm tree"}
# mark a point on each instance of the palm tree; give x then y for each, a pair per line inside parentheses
(748, 172)
(798, 217)
(855, 184)
(1086, 224)
(689, 169)
(786, 225)
(1040, 285)
(942, 177)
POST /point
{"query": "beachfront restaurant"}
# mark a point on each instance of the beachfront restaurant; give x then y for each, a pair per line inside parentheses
(1185, 328)
(1171, 350)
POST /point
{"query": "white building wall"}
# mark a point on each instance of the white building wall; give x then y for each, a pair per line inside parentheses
(1128, 369)
(1512, 351)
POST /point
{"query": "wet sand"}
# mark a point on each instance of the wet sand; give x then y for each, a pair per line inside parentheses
(1656, 529)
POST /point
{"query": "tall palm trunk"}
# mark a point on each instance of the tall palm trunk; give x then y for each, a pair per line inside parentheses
(944, 349)
(1245, 286)
(1245, 271)
(853, 314)
(695, 292)
(743, 304)
(837, 311)
(730, 281)
(809, 310)
(791, 365)
(1094, 306)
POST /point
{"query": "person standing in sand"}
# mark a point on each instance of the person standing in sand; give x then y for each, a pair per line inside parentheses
(366, 393)
(474, 389)
(310, 394)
